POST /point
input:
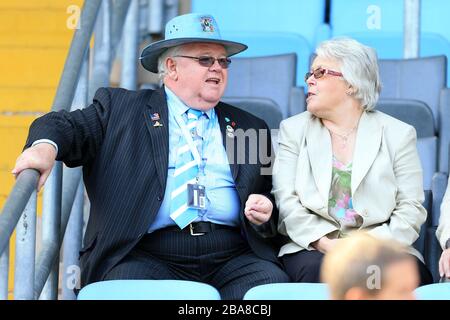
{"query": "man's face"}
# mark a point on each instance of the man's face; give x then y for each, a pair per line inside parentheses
(200, 87)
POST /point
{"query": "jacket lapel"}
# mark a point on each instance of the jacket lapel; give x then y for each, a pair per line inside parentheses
(368, 142)
(318, 144)
(229, 140)
(157, 107)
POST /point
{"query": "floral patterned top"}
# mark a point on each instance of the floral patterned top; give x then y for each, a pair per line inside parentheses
(340, 205)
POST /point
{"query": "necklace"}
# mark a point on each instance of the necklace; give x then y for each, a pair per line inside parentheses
(344, 136)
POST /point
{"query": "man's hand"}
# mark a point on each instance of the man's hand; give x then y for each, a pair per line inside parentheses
(40, 157)
(444, 264)
(324, 244)
(258, 209)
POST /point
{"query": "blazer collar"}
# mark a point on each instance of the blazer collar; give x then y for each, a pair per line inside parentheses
(157, 108)
(318, 143)
(367, 145)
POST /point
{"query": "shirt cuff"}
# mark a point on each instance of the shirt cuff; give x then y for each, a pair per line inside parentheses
(46, 141)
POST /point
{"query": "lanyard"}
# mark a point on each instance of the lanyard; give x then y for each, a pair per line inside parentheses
(201, 162)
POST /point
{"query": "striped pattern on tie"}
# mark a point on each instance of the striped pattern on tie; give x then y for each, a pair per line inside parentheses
(185, 173)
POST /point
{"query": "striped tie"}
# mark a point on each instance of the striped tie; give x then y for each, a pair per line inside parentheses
(185, 173)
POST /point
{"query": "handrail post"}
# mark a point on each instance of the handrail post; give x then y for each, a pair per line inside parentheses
(25, 252)
(102, 59)
(72, 245)
(411, 29)
(51, 223)
(4, 273)
(130, 40)
(73, 233)
(155, 16)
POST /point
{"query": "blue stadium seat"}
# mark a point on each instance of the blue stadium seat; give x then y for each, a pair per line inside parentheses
(263, 108)
(379, 24)
(404, 79)
(435, 291)
(271, 77)
(302, 17)
(261, 44)
(420, 116)
(148, 290)
(288, 291)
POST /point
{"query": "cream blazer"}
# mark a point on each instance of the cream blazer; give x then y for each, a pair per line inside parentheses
(387, 185)
(443, 230)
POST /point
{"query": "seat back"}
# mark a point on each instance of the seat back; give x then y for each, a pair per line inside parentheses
(380, 24)
(301, 17)
(289, 291)
(148, 290)
(410, 79)
(263, 108)
(404, 79)
(435, 291)
(271, 77)
(261, 44)
(420, 116)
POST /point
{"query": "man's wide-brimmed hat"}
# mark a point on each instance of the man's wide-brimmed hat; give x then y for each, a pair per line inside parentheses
(187, 28)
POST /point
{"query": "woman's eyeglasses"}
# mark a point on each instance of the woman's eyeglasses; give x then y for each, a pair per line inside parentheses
(207, 61)
(320, 72)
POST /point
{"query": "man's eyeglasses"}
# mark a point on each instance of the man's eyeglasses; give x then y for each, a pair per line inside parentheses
(207, 61)
(320, 72)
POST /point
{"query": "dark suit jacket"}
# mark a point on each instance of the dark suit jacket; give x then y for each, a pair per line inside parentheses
(125, 159)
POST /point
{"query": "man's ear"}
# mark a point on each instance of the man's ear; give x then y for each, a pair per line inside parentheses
(171, 67)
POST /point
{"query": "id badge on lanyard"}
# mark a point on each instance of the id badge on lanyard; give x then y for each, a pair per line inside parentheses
(196, 191)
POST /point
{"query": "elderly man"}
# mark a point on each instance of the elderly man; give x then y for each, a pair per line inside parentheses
(168, 199)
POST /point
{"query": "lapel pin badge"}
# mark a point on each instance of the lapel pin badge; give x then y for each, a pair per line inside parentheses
(155, 116)
(157, 124)
(230, 129)
(227, 119)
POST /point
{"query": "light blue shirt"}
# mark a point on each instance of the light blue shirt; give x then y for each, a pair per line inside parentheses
(223, 202)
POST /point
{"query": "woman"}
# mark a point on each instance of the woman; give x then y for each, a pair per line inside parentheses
(342, 166)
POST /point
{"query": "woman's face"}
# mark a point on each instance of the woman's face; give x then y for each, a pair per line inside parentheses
(328, 92)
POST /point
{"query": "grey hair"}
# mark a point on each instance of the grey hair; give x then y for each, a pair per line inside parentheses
(171, 52)
(359, 67)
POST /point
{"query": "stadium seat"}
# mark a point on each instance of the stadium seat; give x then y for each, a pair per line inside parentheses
(288, 291)
(410, 79)
(261, 44)
(302, 17)
(271, 77)
(148, 290)
(435, 291)
(263, 108)
(420, 116)
(379, 24)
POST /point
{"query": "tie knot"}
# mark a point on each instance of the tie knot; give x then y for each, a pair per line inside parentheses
(193, 114)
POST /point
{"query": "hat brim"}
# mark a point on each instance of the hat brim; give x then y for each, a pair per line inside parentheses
(151, 53)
